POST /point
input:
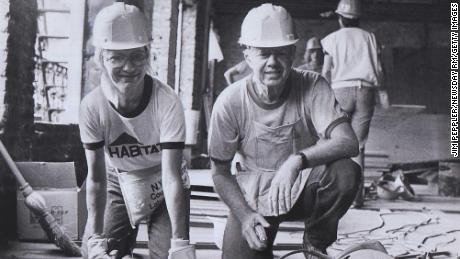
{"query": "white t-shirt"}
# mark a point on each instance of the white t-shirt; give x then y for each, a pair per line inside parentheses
(354, 53)
(134, 141)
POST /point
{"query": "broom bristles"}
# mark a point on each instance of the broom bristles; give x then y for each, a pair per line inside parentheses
(58, 235)
(35, 202)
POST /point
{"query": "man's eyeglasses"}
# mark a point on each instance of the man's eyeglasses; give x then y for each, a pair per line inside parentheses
(265, 53)
(119, 60)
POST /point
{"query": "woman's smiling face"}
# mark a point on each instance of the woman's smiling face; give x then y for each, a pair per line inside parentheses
(126, 68)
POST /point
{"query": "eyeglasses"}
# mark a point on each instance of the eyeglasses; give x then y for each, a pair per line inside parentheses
(119, 60)
(267, 52)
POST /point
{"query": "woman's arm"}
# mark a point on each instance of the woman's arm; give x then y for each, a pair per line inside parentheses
(96, 189)
(177, 200)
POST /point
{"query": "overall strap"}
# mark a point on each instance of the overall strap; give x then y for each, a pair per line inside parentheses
(300, 103)
(246, 107)
(301, 108)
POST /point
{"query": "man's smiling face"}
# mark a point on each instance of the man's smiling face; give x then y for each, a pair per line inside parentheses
(271, 66)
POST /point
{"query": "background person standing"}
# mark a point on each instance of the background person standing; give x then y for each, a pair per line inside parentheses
(314, 56)
(352, 66)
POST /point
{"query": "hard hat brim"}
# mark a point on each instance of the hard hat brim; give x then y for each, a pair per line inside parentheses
(347, 15)
(121, 45)
(268, 44)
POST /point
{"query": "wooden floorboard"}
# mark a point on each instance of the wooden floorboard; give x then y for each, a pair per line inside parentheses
(427, 202)
(401, 231)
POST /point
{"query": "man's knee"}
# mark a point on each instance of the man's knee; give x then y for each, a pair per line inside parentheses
(348, 176)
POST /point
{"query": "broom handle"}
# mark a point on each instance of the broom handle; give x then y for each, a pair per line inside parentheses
(47, 221)
(13, 166)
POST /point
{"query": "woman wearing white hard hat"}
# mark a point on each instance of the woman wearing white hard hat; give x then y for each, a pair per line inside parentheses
(352, 66)
(132, 128)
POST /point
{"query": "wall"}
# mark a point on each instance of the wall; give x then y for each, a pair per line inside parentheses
(19, 18)
(418, 36)
(59, 143)
(4, 9)
(163, 47)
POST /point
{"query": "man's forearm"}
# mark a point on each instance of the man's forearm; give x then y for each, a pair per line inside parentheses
(177, 200)
(228, 189)
(327, 66)
(329, 150)
(96, 194)
(228, 78)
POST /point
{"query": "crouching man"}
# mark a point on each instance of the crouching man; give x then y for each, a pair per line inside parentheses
(292, 142)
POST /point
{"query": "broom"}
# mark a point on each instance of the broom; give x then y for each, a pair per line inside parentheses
(35, 202)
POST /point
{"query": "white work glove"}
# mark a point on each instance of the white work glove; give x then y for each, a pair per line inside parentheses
(181, 249)
(97, 248)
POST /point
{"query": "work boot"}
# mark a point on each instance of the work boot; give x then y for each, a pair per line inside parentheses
(359, 199)
(308, 246)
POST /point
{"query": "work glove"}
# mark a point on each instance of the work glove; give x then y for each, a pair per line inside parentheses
(181, 249)
(97, 248)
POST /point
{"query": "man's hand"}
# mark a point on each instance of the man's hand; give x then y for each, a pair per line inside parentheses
(254, 232)
(280, 189)
(97, 248)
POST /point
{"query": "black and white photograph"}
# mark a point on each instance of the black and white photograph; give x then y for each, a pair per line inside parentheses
(233, 129)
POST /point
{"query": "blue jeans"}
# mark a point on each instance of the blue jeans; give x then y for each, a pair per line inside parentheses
(358, 103)
(328, 194)
(118, 230)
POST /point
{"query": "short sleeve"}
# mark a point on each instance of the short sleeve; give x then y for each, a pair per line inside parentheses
(379, 69)
(327, 44)
(325, 111)
(91, 132)
(172, 123)
(223, 132)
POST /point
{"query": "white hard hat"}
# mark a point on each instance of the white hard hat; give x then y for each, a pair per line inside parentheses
(388, 190)
(350, 9)
(268, 26)
(120, 26)
(313, 43)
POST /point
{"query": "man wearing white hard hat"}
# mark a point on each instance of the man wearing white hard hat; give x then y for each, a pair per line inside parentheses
(353, 67)
(132, 128)
(313, 56)
(292, 142)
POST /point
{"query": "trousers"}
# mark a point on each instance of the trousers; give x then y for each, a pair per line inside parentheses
(326, 197)
(121, 235)
(358, 103)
